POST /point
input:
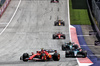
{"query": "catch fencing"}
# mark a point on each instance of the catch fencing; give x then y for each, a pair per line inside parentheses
(96, 11)
(92, 6)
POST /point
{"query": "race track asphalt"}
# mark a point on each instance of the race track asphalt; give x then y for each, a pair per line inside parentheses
(31, 29)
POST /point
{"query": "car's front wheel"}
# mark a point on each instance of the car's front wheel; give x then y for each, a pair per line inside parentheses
(53, 36)
(25, 55)
(56, 57)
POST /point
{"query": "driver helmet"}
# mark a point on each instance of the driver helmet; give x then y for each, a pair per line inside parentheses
(42, 49)
(70, 42)
(59, 21)
(58, 32)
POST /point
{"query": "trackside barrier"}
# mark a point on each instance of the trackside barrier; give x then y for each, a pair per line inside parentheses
(92, 20)
(4, 6)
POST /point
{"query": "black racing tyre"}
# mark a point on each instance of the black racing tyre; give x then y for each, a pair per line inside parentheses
(57, 0)
(56, 56)
(64, 37)
(84, 54)
(67, 53)
(63, 24)
(21, 58)
(53, 36)
(25, 55)
(55, 23)
(52, 1)
(63, 48)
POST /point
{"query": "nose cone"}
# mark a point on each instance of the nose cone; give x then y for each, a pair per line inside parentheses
(59, 23)
(59, 36)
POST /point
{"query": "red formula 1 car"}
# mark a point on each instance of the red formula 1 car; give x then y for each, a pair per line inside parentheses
(58, 35)
(42, 55)
(59, 23)
(54, 1)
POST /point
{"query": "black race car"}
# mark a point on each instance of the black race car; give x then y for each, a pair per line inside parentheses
(76, 53)
(59, 23)
(58, 35)
(54, 1)
(69, 46)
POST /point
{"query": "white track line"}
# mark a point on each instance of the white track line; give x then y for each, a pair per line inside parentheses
(87, 45)
(69, 19)
(11, 18)
(83, 35)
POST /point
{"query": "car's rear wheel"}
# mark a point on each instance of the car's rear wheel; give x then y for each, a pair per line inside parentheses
(52, 1)
(63, 48)
(25, 55)
(64, 37)
(55, 23)
(56, 57)
(63, 24)
(66, 54)
(84, 54)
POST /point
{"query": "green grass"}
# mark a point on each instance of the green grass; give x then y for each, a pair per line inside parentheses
(78, 12)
